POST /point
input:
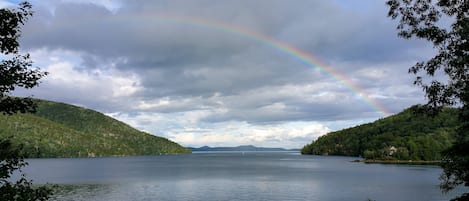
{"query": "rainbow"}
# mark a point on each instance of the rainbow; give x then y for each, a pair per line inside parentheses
(302, 56)
(280, 46)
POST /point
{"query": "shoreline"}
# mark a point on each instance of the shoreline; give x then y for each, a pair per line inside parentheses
(398, 162)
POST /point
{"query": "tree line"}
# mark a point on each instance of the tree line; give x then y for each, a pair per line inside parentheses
(408, 135)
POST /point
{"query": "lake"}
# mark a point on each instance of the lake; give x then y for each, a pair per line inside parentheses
(235, 176)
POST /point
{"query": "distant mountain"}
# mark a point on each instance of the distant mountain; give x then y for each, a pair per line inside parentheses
(63, 130)
(404, 136)
(240, 148)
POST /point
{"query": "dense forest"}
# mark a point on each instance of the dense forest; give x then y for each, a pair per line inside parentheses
(408, 135)
(62, 130)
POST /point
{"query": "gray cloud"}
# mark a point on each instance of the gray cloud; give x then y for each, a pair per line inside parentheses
(233, 77)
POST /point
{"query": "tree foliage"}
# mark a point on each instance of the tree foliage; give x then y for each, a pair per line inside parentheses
(63, 130)
(444, 23)
(405, 136)
(420, 19)
(16, 72)
(22, 189)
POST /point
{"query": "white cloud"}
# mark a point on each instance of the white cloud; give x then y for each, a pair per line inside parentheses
(111, 5)
(103, 84)
(187, 129)
(68, 81)
(200, 84)
(289, 135)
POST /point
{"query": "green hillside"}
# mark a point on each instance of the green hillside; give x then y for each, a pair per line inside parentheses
(62, 130)
(404, 136)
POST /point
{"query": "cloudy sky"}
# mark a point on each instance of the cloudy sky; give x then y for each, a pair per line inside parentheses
(270, 73)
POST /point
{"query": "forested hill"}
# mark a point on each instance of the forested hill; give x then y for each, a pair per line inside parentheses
(404, 136)
(62, 130)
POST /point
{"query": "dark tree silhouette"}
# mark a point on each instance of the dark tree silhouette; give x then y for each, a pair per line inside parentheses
(423, 19)
(16, 72)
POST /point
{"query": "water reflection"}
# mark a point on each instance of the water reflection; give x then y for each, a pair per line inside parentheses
(234, 176)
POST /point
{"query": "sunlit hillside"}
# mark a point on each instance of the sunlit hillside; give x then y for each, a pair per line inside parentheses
(62, 130)
(404, 136)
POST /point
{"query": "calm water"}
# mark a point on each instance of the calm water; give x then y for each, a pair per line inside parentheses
(235, 176)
